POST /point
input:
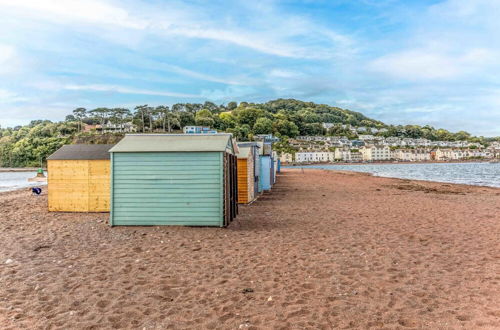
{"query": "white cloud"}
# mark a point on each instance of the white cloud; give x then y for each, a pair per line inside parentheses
(127, 90)
(418, 64)
(188, 22)
(9, 60)
(67, 11)
(7, 96)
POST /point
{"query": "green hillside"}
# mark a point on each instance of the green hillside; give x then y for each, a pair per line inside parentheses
(286, 118)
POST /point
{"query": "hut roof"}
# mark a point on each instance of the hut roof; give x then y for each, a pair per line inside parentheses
(244, 152)
(265, 148)
(245, 148)
(82, 152)
(175, 143)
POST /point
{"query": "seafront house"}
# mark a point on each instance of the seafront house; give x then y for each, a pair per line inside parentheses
(342, 154)
(286, 158)
(411, 155)
(375, 153)
(174, 179)
(79, 178)
(314, 156)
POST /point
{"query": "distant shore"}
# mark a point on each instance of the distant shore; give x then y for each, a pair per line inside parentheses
(20, 169)
(391, 162)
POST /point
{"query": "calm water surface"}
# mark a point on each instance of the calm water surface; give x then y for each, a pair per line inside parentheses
(481, 174)
(16, 180)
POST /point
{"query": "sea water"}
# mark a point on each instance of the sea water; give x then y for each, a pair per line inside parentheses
(480, 174)
(17, 180)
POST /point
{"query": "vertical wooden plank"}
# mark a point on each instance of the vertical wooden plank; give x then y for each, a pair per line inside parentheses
(68, 185)
(99, 185)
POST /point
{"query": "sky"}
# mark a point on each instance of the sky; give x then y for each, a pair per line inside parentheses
(424, 62)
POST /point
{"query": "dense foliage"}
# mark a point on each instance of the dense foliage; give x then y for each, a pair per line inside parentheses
(30, 145)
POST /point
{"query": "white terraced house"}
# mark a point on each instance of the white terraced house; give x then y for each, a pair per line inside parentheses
(411, 155)
(314, 156)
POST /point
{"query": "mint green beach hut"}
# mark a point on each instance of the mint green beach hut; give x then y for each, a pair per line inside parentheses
(173, 179)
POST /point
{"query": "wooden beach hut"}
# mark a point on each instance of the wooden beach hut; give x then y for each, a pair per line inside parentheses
(266, 167)
(174, 179)
(79, 178)
(247, 178)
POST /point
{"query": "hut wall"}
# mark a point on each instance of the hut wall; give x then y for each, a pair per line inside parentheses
(243, 186)
(79, 185)
(251, 178)
(265, 173)
(246, 180)
(168, 188)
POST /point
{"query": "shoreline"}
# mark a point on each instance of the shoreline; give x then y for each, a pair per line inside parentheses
(317, 166)
(20, 169)
(293, 165)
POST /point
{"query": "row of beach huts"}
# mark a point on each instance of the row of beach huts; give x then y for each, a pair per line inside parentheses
(162, 179)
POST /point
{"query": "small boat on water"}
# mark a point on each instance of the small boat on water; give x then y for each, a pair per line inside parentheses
(40, 176)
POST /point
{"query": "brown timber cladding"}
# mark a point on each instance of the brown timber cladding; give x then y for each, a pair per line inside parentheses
(79, 185)
(242, 181)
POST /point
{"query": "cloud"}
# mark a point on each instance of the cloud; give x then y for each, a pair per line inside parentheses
(9, 60)
(7, 96)
(177, 21)
(127, 90)
(69, 11)
(415, 64)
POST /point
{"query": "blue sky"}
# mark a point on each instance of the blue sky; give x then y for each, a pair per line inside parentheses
(402, 62)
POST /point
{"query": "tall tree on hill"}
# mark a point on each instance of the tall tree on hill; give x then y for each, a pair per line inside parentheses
(141, 110)
(119, 116)
(102, 115)
(232, 105)
(80, 114)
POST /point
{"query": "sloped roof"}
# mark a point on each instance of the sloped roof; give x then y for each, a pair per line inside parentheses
(245, 148)
(175, 143)
(82, 152)
(264, 148)
(244, 152)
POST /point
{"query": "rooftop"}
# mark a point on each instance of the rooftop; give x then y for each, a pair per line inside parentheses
(82, 152)
(175, 143)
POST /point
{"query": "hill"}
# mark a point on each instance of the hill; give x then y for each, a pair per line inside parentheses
(31, 144)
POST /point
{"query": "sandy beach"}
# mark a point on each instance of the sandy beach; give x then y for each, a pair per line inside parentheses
(323, 250)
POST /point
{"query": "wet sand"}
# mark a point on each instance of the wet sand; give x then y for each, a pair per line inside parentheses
(323, 250)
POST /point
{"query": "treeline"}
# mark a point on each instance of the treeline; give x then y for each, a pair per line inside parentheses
(29, 145)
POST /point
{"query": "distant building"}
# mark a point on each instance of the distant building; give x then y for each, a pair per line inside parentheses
(375, 153)
(198, 130)
(314, 156)
(286, 158)
(266, 138)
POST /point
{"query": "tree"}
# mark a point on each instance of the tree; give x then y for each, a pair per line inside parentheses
(102, 115)
(70, 118)
(204, 118)
(80, 114)
(263, 126)
(248, 116)
(227, 120)
(232, 105)
(285, 128)
(141, 110)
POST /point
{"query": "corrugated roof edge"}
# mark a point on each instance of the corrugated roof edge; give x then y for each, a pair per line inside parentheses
(231, 144)
(82, 152)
